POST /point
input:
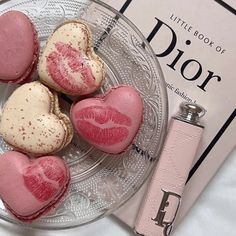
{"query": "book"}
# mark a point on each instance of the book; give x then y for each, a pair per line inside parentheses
(194, 42)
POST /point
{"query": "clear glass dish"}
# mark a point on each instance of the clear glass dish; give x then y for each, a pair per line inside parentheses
(101, 183)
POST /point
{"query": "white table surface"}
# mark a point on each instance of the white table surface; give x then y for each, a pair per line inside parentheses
(213, 214)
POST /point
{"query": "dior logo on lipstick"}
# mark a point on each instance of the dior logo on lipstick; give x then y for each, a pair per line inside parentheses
(160, 217)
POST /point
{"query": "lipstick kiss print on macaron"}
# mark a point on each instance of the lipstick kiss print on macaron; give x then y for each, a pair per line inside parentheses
(110, 122)
(68, 63)
(30, 188)
(91, 119)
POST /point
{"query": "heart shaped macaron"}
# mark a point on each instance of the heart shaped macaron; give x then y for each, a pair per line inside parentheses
(68, 63)
(110, 122)
(30, 188)
(19, 47)
(32, 122)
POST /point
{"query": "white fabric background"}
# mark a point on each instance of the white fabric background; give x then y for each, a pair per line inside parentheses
(214, 213)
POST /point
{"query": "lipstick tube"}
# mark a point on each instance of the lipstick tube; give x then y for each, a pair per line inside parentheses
(160, 205)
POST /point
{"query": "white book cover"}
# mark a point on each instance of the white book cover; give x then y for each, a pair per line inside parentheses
(194, 42)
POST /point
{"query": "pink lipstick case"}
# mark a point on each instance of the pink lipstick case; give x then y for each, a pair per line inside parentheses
(160, 205)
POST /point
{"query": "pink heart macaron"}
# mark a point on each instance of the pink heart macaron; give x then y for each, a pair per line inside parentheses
(109, 122)
(31, 188)
(19, 47)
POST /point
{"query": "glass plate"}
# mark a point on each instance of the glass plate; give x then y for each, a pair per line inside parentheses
(100, 182)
